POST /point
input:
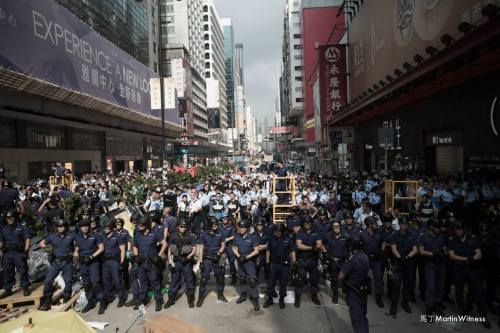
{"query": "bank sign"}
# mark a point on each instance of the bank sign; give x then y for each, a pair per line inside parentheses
(39, 38)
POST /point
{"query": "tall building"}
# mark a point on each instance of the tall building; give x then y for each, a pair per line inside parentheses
(238, 47)
(185, 28)
(125, 23)
(215, 72)
(229, 52)
(184, 53)
(292, 75)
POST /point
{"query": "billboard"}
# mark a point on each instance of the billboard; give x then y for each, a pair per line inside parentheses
(332, 80)
(46, 41)
(386, 34)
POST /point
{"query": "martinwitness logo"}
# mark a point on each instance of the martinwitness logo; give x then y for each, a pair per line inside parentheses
(452, 319)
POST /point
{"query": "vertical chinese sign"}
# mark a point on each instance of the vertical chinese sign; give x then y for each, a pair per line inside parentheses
(333, 80)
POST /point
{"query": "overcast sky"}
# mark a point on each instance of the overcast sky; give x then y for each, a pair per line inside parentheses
(258, 24)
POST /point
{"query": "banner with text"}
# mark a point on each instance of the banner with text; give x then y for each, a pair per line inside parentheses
(333, 80)
(46, 41)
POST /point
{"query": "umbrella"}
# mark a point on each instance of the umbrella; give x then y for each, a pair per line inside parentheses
(48, 322)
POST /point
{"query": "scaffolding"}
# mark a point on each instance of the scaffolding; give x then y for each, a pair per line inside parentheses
(282, 210)
(401, 194)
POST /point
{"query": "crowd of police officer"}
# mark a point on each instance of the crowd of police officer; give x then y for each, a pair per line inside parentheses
(312, 244)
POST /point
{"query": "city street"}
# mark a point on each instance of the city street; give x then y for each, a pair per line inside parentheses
(240, 318)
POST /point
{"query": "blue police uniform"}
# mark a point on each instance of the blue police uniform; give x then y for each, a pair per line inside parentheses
(280, 250)
(90, 270)
(387, 256)
(124, 269)
(63, 246)
(467, 272)
(261, 257)
(351, 230)
(13, 238)
(308, 263)
(147, 264)
(229, 231)
(183, 265)
(405, 268)
(212, 242)
(356, 270)
(373, 247)
(434, 269)
(246, 270)
(111, 266)
(322, 228)
(337, 250)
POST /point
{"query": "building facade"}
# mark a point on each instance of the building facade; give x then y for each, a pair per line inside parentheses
(215, 72)
(229, 53)
(430, 82)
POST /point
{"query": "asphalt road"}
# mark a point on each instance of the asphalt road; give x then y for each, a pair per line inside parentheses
(240, 318)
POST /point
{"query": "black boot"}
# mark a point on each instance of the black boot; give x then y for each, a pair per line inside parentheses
(335, 297)
(234, 279)
(190, 298)
(393, 310)
(170, 302)
(297, 301)
(102, 307)
(255, 303)
(406, 307)
(5, 294)
(26, 291)
(121, 302)
(159, 305)
(315, 299)
(242, 298)
(282, 302)
(221, 297)
(88, 307)
(200, 300)
(379, 301)
(46, 303)
(132, 302)
(268, 303)
(138, 304)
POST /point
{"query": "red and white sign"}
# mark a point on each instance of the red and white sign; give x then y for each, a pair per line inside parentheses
(333, 80)
(281, 130)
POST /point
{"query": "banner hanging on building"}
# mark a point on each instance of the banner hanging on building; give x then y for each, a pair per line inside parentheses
(44, 40)
(333, 80)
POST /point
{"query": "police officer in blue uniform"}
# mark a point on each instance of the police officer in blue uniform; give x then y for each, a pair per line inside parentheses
(465, 253)
(124, 234)
(88, 246)
(404, 250)
(15, 243)
(335, 252)
(349, 228)
(229, 233)
(112, 259)
(373, 244)
(322, 226)
(262, 237)
(280, 253)
(61, 261)
(280, 171)
(293, 221)
(354, 276)
(134, 276)
(309, 246)
(432, 247)
(148, 261)
(245, 249)
(387, 232)
(181, 251)
(212, 247)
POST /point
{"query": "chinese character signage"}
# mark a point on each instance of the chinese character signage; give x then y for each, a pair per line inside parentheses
(46, 41)
(333, 81)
